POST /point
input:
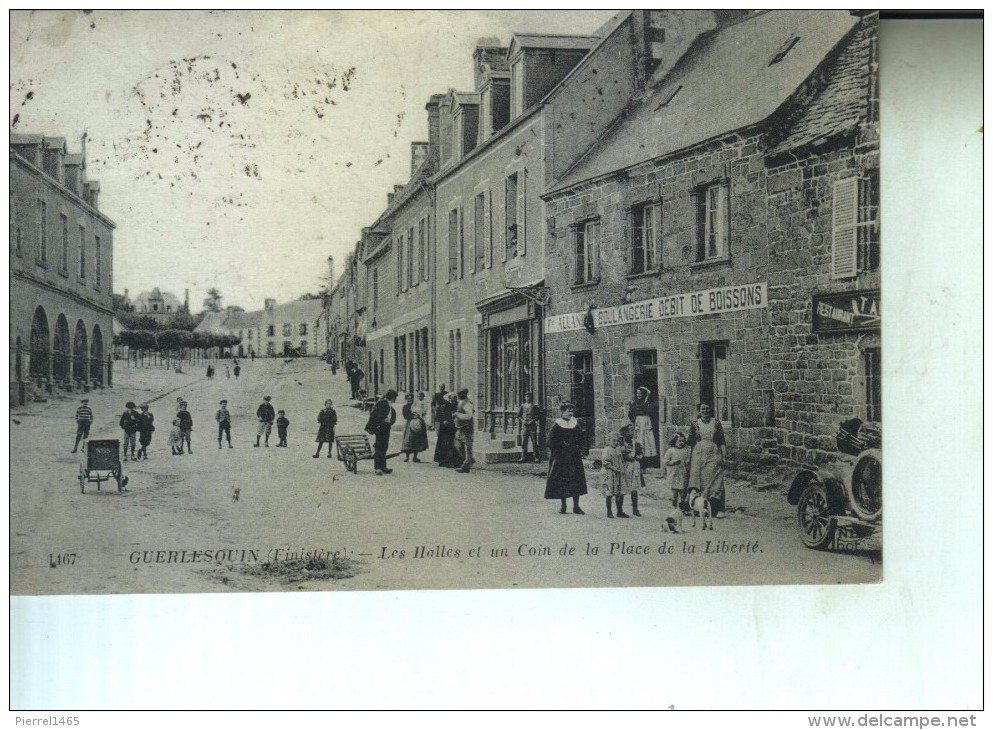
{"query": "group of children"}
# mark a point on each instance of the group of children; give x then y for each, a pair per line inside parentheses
(622, 473)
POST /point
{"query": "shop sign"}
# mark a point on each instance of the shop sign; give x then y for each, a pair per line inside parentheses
(692, 304)
(849, 312)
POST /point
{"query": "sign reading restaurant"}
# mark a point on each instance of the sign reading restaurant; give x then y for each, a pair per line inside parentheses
(692, 304)
(849, 312)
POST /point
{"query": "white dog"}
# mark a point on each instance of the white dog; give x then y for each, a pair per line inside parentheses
(700, 505)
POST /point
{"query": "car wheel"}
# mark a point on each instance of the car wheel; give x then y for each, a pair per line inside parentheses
(815, 516)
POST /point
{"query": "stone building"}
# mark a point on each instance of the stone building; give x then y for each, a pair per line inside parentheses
(61, 271)
(684, 247)
(280, 330)
(159, 305)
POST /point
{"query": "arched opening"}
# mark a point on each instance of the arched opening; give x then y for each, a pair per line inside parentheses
(80, 351)
(40, 344)
(96, 355)
(60, 350)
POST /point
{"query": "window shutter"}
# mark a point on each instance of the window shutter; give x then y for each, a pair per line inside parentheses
(522, 208)
(474, 227)
(461, 242)
(844, 220)
(505, 223)
(488, 228)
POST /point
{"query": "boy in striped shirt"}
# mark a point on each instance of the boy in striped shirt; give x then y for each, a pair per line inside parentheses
(84, 417)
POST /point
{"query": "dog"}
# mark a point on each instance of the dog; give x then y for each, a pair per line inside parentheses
(673, 522)
(236, 494)
(700, 505)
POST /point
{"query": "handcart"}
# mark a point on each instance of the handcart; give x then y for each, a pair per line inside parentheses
(103, 463)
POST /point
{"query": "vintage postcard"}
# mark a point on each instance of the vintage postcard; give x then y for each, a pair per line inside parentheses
(355, 300)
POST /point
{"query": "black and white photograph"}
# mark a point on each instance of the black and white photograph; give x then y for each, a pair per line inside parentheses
(318, 301)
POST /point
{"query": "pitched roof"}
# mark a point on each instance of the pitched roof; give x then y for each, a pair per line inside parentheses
(840, 106)
(727, 80)
(302, 310)
(242, 320)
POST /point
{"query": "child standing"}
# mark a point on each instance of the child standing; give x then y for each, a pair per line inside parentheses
(176, 438)
(612, 486)
(282, 424)
(674, 464)
(632, 453)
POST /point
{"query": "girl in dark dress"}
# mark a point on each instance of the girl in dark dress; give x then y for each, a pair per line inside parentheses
(566, 477)
(445, 452)
(327, 419)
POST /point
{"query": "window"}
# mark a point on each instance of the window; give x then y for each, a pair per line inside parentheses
(587, 252)
(271, 331)
(458, 359)
(510, 214)
(82, 252)
(458, 145)
(646, 230)
(249, 335)
(421, 250)
(303, 328)
(410, 258)
(873, 384)
(42, 232)
(97, 274)
(64, 248)
(303, 347)
(399, 248)
(715, 380)
(712, 222)
(855, 223)
(287, 330)
(454, 244)
(451, 359)
(481, 231)
(15, 226)
(375, 292)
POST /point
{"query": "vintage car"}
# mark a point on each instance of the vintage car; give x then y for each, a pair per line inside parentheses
(842, 501)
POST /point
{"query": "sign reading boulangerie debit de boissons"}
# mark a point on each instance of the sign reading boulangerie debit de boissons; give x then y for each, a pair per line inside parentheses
(691, 304)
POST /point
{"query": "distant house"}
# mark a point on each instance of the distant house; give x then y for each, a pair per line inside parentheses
(161, 306)
(294, 328)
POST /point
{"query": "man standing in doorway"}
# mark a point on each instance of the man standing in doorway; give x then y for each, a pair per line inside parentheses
(381, 420)
(465, 418)
(266, 414)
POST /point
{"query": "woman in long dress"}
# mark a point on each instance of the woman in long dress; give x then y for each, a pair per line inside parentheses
(566, 476)
(707, 459)
(327, 419)
(640, 412)
(445, 452)
(415, 433)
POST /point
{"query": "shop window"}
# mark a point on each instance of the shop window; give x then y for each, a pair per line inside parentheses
(646, 231)
(712, 222)
(587, 247)
(715, 386)
(855, 226)
(873, 384)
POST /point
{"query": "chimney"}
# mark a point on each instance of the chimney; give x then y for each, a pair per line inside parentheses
(92, 190)
(389, 199)
(489, 51)
(270, 304)
(665, 35)
(418, 153)
(186, 301)
(434, 128)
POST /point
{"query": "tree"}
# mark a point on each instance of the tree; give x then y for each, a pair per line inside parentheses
(213, 301)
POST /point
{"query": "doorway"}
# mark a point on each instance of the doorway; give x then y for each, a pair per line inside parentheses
(581, 393)
(646, 375)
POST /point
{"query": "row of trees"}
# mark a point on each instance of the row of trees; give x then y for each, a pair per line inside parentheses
(172, 345)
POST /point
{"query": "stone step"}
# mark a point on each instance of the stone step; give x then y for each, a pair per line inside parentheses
(498, 457)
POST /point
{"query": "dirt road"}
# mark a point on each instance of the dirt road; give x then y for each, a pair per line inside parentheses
(177, 529)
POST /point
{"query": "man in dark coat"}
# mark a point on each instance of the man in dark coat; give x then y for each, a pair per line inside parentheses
(129, 424)
(381, 420)
(266, 415)
(355, 378)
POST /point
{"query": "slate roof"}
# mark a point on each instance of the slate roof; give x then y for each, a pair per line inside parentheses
(840, 107)
(723, 83)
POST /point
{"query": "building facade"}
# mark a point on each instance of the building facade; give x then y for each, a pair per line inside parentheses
(61, 271)
(688, 246)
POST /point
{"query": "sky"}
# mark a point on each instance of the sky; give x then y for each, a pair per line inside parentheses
(240, 149)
